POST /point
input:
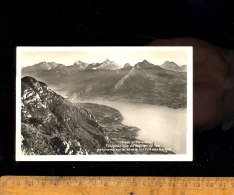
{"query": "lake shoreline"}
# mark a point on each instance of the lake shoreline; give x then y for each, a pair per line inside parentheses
(121, 138)
(64, 93)
(170, 139)
(176, 141)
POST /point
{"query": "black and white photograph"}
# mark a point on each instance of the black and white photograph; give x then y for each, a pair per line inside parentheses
(104, 104)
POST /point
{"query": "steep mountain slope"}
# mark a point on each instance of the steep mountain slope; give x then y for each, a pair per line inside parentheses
(147, 83)
(92, 84)
(48, 120)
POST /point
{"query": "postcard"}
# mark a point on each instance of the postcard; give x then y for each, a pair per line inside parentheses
(104, 104)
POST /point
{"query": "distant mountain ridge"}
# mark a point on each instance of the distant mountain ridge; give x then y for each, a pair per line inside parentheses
(127, 66)
(144, 82)
(170, 65)
(106, 65)
(80, 65)
(49, 67)
(36, 69)
(183, 68)
(40, 67)
(147, 65)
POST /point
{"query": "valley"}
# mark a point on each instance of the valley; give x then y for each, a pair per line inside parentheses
(142, 83)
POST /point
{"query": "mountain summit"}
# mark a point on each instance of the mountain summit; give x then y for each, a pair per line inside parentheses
(147, 65)
(106, 65)
(107, 61)
(170, 65)
(127, 66)
(80, 65)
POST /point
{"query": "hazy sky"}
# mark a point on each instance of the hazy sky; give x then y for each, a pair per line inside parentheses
(120, 57)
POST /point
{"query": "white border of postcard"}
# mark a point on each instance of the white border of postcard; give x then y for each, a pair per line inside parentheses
(159, 157)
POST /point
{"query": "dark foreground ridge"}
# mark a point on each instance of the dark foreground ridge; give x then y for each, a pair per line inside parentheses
(52, 125)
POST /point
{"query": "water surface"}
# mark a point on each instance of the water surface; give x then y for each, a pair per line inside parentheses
(162, 125)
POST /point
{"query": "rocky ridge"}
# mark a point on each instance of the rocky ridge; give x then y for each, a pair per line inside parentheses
(106, 65)
(49, 118)
(80, 65)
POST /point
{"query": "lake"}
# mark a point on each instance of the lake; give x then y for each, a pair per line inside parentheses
(160, 124)
(164, 126)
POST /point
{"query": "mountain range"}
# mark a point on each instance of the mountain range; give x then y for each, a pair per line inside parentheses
(79, 66)
(40, 67)
(60, 68)
(142, 83)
